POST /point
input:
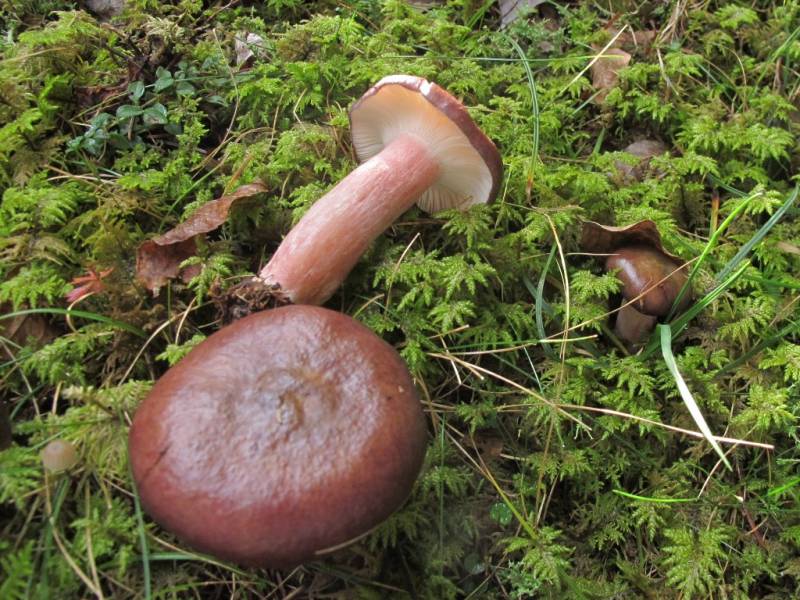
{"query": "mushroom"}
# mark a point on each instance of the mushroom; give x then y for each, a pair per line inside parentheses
(287, 433)
(651, 277)
(418, 144)
(59, 455)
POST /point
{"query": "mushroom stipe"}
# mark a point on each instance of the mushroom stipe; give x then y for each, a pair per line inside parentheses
(417, 144)
(289, 432)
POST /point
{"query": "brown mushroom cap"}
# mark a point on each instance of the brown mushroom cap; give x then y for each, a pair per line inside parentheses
(284, 434)
(470, 165)
(641, 268)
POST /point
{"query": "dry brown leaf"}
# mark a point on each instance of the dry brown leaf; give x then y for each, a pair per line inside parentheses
(605, 71)
(510, 9)
(784, 246)
(158, 260)
(632, 40)
(20, 328)
(644, 150)
(604, 239)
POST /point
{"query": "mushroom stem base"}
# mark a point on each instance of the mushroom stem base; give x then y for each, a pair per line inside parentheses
(632, 326)
(250, 296)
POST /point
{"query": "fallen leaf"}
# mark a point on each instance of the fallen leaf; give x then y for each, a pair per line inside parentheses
(20, 328)
(605, 71)
(604, 239)
(158, 260)
(787, 247)
(510, 9)
(243, 46)
(644, 150)
(157, 264)
(106, 9)
(632, 40)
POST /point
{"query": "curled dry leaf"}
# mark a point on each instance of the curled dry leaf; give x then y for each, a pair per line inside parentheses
(604, 239)
(245, 44)
(644, 150)
(21, 328)
(158, 260)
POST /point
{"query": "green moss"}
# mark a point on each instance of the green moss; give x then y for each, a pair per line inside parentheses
(111, 135)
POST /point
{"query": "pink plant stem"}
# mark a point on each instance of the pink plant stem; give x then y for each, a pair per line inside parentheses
(319, 252)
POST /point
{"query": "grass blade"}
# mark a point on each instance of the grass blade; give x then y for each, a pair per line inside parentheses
(538, 296)
(651, 499)
(759, 235)
(686, 394)
(534, 97)
(783, 488)
(710, 245)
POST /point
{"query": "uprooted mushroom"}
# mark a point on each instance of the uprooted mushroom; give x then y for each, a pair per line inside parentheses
(295, 430)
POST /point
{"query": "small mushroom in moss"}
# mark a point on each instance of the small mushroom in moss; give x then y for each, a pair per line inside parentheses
(651, 277)
(418, 145)
(288, 433)
(59, 455)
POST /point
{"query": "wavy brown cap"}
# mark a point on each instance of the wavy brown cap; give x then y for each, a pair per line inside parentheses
(284, 434)
(603, 239)
(471, 168)
(638, 255)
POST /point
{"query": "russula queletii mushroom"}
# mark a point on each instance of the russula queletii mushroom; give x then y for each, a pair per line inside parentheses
(285, 434)
(651, 277)
(417, 144)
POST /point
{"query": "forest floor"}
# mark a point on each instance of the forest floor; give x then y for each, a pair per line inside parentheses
(562, 461)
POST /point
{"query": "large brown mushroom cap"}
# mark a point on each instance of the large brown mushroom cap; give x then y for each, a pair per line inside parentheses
(470, 165)
(281, 435)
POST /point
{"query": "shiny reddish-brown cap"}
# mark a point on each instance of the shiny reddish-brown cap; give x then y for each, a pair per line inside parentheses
(470, 165)
(650, 275)
(284, 434)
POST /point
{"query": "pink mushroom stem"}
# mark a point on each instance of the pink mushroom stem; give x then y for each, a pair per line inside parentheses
(319, 252)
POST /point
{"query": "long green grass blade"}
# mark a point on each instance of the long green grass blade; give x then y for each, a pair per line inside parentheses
(759, 235)
(782, 488)
(710, 245)
(534, 96)
(686, 394)
(651, 499)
